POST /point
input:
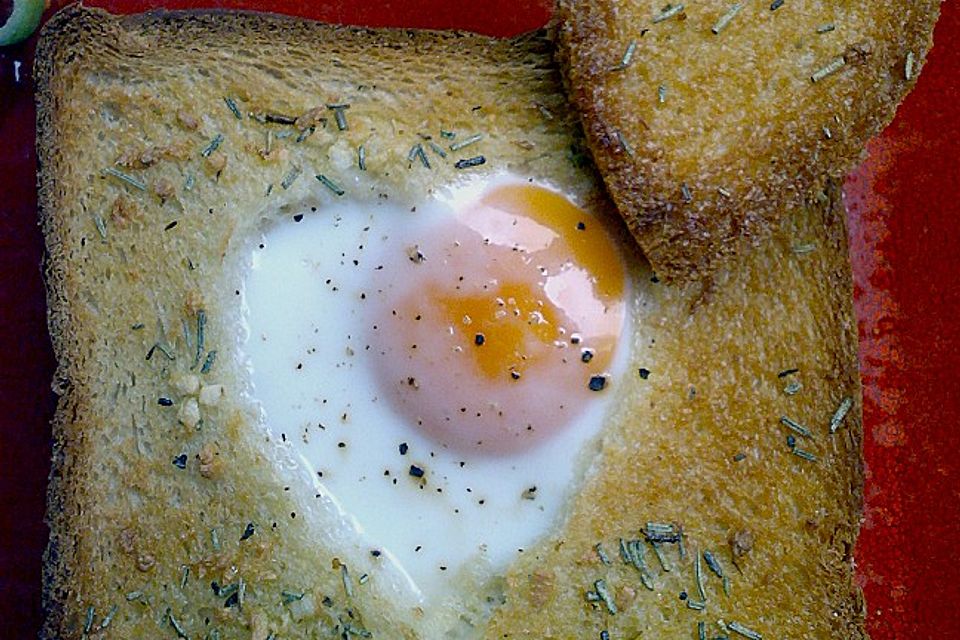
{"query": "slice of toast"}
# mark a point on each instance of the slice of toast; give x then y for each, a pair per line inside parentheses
(710, 119)
(168, 141)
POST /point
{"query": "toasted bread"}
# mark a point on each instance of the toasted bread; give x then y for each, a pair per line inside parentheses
(709, 120)
(146, 121)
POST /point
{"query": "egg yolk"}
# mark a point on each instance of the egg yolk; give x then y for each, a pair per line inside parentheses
(502, 325)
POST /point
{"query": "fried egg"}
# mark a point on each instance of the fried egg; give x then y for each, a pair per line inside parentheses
(441, 369)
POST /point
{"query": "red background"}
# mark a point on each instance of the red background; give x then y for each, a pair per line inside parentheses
(904, 211)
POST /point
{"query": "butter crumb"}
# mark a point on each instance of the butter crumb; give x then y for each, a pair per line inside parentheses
(188, 384)
(189, 413)
(211, 394)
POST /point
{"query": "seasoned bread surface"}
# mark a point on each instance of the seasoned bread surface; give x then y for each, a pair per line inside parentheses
(171, 507)
(709, 119)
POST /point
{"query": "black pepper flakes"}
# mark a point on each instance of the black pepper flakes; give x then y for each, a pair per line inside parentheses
(597, 383)
(247, 532)
(404, 447)
(581, 226)
(416, 471)
(644, 373)
(586, 356)
(180, 461)
(479, 339)
(164, 402)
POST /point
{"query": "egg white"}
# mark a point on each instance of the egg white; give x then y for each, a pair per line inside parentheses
(307, 303)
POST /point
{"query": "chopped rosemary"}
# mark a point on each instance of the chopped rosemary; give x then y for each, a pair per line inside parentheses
(628, 55)
(698, 574)
(126, 177)
(803, 249)
(827, 133)
(290, 177)
(668, 12)
(746, 632)
(201, 333)
(241, 592)
(88, 623)
(133, 595)
(101, 226)
(362, 158)
(604, 558)
(725, 19)
(601, 588)
(232, 105)
(339, 115)
(213, 146)
(662, 93)
(466, 163)
(330, 184)
(659, 534)
(724, 192)
(776, 4)
(713, 564)
(162, 348)
(215, 539)
(685, 192)
(417, 152)
(624, 145)
(701, 631)
(184, 576)
(291, 596)
(449, 135)
(795, 426)
(189, 182)
(826, 28)
(806, 455)
(660, 557)
(107, 619)
(306, 133)
(631, 552)
(828, 69)
(347, 582)
(845, 405)
(208, 362)
(908, 66)
(177, 626)
(460, 144)
(696, 605)
(437, 149)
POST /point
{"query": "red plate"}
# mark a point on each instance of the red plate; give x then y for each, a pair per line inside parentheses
(904, 212)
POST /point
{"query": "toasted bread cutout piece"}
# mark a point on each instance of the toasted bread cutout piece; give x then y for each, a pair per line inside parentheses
(709, 119)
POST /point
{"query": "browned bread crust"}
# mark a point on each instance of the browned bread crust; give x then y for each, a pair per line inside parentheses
(705, 138)
(137, 541)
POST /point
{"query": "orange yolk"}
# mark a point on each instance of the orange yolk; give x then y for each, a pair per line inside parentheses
(506, 329)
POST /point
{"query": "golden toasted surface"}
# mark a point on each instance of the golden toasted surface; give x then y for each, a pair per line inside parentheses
(165, 480)
(700, 443)
(708, 119)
